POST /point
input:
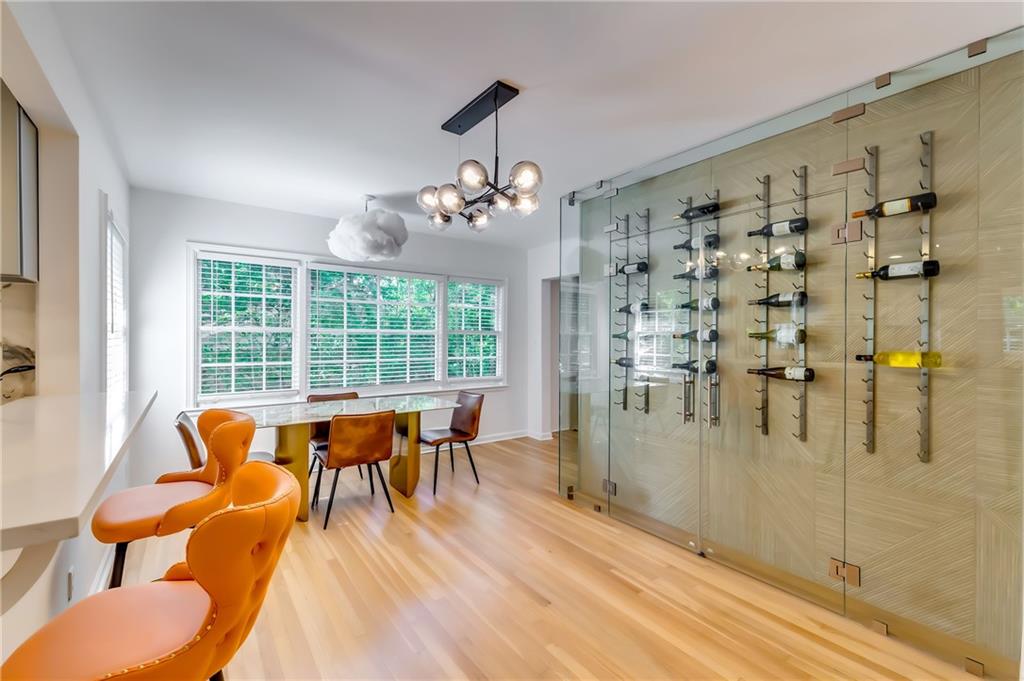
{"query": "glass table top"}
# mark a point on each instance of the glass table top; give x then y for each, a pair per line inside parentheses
(270, 415)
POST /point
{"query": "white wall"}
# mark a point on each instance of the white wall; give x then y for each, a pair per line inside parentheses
(76, 163)
(162, 223)
(542, 264)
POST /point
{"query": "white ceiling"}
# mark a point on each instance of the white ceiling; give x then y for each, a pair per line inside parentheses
(306, 107)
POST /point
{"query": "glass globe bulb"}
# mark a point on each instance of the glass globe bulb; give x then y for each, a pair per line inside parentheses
(524, 205)
(450, 198)
(526, 178)
(439, 221)
(427, 198)
(478, 220)
(499, 203)
(472, 177)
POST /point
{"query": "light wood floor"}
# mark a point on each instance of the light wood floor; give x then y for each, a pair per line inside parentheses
(508, 581)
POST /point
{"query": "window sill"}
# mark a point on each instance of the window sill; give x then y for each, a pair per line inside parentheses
(282, 397)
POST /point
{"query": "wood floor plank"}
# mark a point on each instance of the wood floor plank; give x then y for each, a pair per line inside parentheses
(505, 580)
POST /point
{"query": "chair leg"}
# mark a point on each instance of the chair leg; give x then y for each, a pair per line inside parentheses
(120, 550)
(312, 464)
(383, 485)
(330, 502)
(316, 490)
(219, 676)
(360, 469)
(451, 456)
(437, 455)
(471, 464)
(369, 474)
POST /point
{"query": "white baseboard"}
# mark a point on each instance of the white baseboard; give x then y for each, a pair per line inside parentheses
(498, 437)
(541, 436)
(102, 576)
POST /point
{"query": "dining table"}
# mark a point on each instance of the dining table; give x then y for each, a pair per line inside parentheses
(292, 422)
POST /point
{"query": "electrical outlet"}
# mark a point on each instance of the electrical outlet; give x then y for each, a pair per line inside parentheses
(71, 583)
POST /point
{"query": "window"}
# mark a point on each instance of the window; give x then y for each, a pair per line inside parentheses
(265, 326)
(116, 313)
(369, 328)
(246, 326)
(474, 337)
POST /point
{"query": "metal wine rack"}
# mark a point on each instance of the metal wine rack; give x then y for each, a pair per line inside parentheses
(764, 196)
(708, 350)
(801, 310)
(687, 293)
(628, 242)
(924, 314)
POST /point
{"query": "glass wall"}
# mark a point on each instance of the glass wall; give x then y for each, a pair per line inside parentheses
(883, 482)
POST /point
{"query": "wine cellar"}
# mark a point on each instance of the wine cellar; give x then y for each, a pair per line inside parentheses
(805, 353)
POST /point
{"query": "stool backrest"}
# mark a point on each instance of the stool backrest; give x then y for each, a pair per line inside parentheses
(189, 438)
(360, 438)
(466, 417)
(227, 435)
(322, 430)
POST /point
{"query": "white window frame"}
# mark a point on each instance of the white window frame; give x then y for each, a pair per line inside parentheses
(109, 230)
(303, 263)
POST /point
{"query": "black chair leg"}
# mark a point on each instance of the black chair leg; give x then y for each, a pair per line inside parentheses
(383, 485)
(451, 456)
(312, 464)
(120, 550)
(219, 676)
(316, 490)
(437, 455)
(360, 469)
(369, 473)
(330, 502)
(471, 464)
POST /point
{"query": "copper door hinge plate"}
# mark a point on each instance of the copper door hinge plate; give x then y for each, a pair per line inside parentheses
(570, 492)
(850, 165)
(972, 666)
(977, 47)
(848, 113)
(880, 627)
(844, 572)
(847, 232)
(883, 80)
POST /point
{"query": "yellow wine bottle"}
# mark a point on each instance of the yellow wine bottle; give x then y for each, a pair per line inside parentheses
(907, 359)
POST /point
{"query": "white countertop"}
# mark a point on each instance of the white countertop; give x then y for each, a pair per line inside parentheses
(58, 455)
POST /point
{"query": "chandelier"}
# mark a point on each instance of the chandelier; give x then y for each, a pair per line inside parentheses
(475, 194)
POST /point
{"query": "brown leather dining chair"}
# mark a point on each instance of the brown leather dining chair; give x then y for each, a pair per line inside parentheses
(194, 449)
(356, 439)
(320, 432)
(464, 428)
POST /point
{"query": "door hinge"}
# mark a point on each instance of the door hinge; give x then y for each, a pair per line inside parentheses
(844, 572)
(570, 492)
(608, 487)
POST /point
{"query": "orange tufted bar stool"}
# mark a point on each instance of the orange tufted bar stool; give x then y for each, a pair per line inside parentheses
(465, 426)
(177, 500)
(196, 456)
(189, 624)
(356, 439)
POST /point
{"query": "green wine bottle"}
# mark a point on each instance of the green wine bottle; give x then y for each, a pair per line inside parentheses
(786, 261)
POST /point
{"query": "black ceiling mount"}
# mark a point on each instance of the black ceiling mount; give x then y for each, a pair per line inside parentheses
(483, 105)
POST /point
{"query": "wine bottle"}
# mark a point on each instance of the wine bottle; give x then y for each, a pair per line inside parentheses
(633, 268)
(785, 373)
(787, 261)
(907, 359)
(710, 272)
(794, 298)
(694, 365)
(634, 308)
(794, 226)
(710, 241)
(624, 335)
(903, 270)
(695, 212)
(706, 335)
(908, 204)
(624, 361)
(708, 304)
(786, 335)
